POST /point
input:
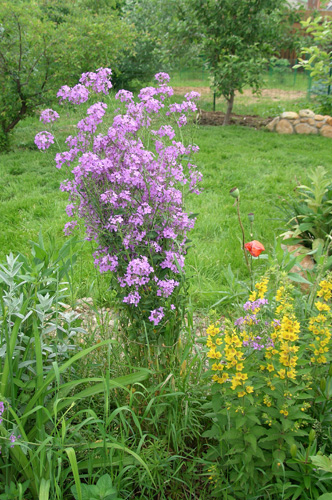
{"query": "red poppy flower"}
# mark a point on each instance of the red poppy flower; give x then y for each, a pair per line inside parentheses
(255, 248)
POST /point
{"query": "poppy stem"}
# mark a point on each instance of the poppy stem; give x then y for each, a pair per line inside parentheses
(251, 275)
(243, 235)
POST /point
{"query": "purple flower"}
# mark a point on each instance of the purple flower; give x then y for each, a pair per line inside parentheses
(255, 305)
(192, 96)
(69, 226)
(98, 81)
(162, 77)
(239, 321)
(13, 438)
(124, 96)
(48, 116)
(182, 121)
(43, 140)
(132, 298)
(157, 315)
(166, 287)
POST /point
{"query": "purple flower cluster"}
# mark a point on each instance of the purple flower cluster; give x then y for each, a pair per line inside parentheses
(48, 116)
(13, 439)
(77, 95)
(43, 140)
(248, 319)
(98, 81)
(130, 196)
(256, 304)
(254, 343)
(157, 315)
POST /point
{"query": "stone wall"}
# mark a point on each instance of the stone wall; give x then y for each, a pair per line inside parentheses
(303, 122)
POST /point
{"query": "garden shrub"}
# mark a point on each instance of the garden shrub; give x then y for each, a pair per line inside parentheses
(127, 186)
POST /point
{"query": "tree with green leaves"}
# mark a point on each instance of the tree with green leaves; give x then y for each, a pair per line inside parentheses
(165, 41)
(44, 44)
(237, 37)
(317, 58)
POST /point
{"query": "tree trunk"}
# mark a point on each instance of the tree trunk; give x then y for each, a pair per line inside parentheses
(230, 103)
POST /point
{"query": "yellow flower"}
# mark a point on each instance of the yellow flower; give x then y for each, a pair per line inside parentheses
(322, 307)
(262, 287)
(291, 374)
(212, 330)
(270, 368)
(241, 394)
(280, 293)
(249, 389)
(267, 401)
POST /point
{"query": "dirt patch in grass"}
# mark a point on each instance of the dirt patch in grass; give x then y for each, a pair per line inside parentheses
(217, 118)
(275, 94)
(254, 121)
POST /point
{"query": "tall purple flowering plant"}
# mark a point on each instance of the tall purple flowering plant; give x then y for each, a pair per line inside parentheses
(127, 185)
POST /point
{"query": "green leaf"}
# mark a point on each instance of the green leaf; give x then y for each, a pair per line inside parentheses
(44, 489)
(298, 278)
(73, 462)
(152, 235)
(249, 438)
(322, 462)
(105, 486)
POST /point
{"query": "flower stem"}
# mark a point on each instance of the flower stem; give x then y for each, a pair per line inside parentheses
(243, 236)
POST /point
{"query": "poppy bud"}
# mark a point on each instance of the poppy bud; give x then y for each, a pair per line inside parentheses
(251, 217)
(235, 192)
(293, 450)
(312, 435)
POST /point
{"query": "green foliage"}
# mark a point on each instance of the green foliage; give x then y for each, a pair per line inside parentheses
(163, 29)
(317, 59)
(237, 37)
(39, 386)
(309, 213)
(46, 44)
(102, 490)
(265, 400)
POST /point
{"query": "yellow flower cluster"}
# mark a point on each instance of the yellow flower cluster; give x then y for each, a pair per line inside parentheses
(228, 350)
(320, 325)
(261, 289)
(325, 290)
(281, 358)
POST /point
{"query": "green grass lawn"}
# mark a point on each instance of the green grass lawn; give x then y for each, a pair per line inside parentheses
(264, 166)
